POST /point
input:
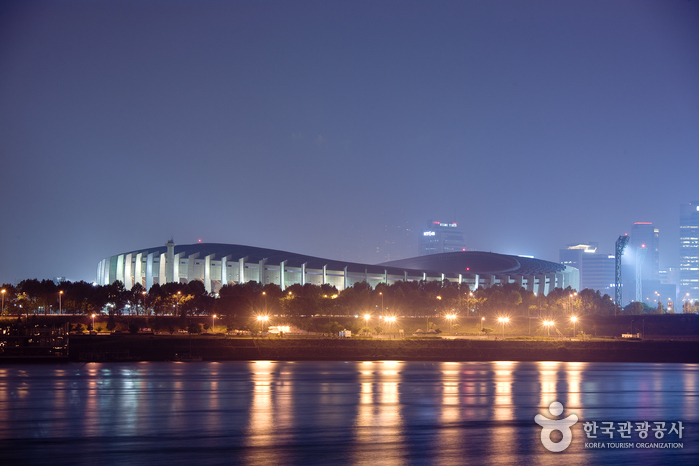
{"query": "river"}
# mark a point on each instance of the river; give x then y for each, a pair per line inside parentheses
(374, 413)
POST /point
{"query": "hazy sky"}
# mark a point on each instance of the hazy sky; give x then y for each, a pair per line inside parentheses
(331, 128)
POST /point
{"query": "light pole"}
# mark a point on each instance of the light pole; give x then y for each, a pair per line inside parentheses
(366, 320)
(177, 306)
(3, 302)
(574, 319)
(660, 301)
(503, 320)
(547, 324)
(262, 320)
(391, 323)
(60, 303)
(213, 323)
(569, 301)
(381, 294)
(450, 318)
(93, 323)
(264, 293)
(145, 296)
(482, 319)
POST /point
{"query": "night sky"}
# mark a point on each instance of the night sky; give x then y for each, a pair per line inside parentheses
(339, 129)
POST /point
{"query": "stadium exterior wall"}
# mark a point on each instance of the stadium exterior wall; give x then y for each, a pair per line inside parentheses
(216, 265)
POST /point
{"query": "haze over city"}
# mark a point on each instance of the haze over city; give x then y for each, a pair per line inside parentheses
(340, 129)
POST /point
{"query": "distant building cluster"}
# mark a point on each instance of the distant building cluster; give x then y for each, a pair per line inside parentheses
(224, 264)
(440, 237)
(642, 278)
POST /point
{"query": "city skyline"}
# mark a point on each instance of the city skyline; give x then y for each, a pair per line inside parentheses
(337, 129)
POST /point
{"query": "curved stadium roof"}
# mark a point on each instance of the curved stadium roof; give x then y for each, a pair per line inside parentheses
(448, 263)
(478, 262)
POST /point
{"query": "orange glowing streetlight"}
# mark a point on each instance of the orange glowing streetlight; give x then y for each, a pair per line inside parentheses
(213, 323)
(60, 303)
(503, 321)
(93, 323)
(574, 319)
(548, 324)
(450, 319)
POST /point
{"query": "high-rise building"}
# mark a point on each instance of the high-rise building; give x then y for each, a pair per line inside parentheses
(689, 251)
(644, 235)
(596, 269)
(640, 263)
(441, 237)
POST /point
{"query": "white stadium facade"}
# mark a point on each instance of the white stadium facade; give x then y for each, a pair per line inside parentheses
(225, 264)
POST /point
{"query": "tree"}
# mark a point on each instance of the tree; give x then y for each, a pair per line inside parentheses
(487, 330)
(635, 308)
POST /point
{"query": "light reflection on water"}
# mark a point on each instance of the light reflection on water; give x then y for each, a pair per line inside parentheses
(380, 412)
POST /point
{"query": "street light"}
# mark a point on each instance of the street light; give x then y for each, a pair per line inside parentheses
(3, 302)
(548, 324)
(381, 294)
(366, 320)
(574, 319)
(503, 321)
(145, 296)
(213, 324)
(177, 306)
(450, 318)
(482, 319)
(93, 322)
(569, 303)
(262, 320)
(60, 304)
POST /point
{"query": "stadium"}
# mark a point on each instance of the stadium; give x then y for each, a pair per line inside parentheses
(217, 264)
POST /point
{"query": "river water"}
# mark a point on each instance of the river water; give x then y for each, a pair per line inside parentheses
(377, 413)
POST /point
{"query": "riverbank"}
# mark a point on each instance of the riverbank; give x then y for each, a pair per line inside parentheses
(165, 348)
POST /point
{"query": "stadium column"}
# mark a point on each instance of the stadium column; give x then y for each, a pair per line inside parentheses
(128, 275)
(282, 275)
(190, 265)
(385, 276)
(149, 271)
(162, 271)
(325, 274)
(477, 282)
(261, 272)
(207, 272)
(461, 279)
(241, 269)
(519, 279)
(560, 282)
(346, 280)
(540, 284)
(100, 272)
(176, 268)
(224, 271)
(170, 263)
(530, 282)
(120, 268)
(303, 273)
(138, 269)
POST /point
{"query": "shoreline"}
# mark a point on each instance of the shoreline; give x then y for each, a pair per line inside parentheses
(165, 348)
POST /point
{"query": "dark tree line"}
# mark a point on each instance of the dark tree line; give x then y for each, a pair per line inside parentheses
(416, 298)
